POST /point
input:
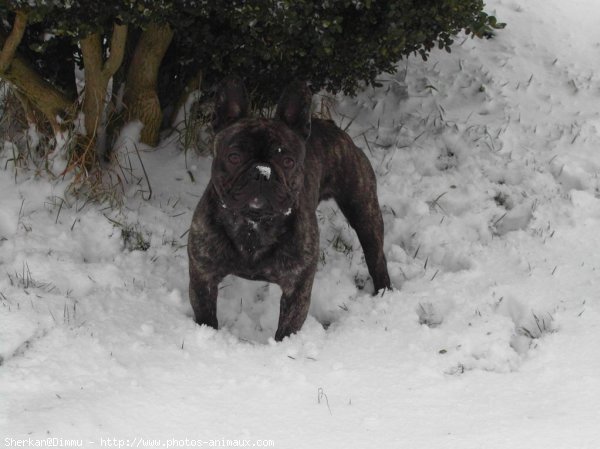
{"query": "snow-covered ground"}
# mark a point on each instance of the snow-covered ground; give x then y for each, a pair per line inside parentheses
(487, 161)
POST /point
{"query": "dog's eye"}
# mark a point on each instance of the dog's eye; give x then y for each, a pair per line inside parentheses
(288, 162)
(234, 158)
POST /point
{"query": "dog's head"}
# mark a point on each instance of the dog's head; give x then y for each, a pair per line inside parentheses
(258, 165)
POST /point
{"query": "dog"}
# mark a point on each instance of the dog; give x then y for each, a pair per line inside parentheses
(257, 219)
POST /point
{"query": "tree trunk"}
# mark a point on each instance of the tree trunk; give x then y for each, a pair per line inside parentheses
(95, 84)
(141, 97)
(97, 75)
(56, 106)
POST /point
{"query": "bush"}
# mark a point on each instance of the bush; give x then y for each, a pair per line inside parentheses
(337, 45)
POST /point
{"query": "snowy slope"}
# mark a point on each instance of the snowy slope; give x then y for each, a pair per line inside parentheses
(488, 169)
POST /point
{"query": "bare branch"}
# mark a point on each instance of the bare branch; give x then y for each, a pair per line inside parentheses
(13, 40)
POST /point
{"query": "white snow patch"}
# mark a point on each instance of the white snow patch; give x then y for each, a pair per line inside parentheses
(33, 136)
(264, 170)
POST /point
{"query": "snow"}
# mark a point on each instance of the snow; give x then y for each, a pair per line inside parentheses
(487, 163)
(264, 170)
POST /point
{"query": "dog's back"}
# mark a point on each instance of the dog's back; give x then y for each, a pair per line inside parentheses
(350, 180)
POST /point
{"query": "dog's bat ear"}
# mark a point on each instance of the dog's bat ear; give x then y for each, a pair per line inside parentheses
(231, 103)
(294, 107)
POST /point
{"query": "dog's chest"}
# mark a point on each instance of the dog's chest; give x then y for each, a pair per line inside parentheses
(253, 238)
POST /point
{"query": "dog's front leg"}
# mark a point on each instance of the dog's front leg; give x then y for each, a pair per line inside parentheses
(294, 304)
(203, 297)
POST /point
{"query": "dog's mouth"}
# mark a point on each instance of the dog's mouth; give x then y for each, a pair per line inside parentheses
(260, 209)
(258, 215)
(258, 203)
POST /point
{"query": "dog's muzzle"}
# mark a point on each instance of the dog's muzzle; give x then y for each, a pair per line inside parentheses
(261, 174)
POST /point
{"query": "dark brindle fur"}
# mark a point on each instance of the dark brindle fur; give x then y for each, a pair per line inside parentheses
(257, 218)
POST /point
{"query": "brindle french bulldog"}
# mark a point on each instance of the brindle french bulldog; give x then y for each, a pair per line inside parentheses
(257, 217)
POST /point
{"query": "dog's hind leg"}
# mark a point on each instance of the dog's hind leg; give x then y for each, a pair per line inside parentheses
(360, 206)
(370, 235)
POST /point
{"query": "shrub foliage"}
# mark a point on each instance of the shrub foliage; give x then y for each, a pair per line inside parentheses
(338, 45)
